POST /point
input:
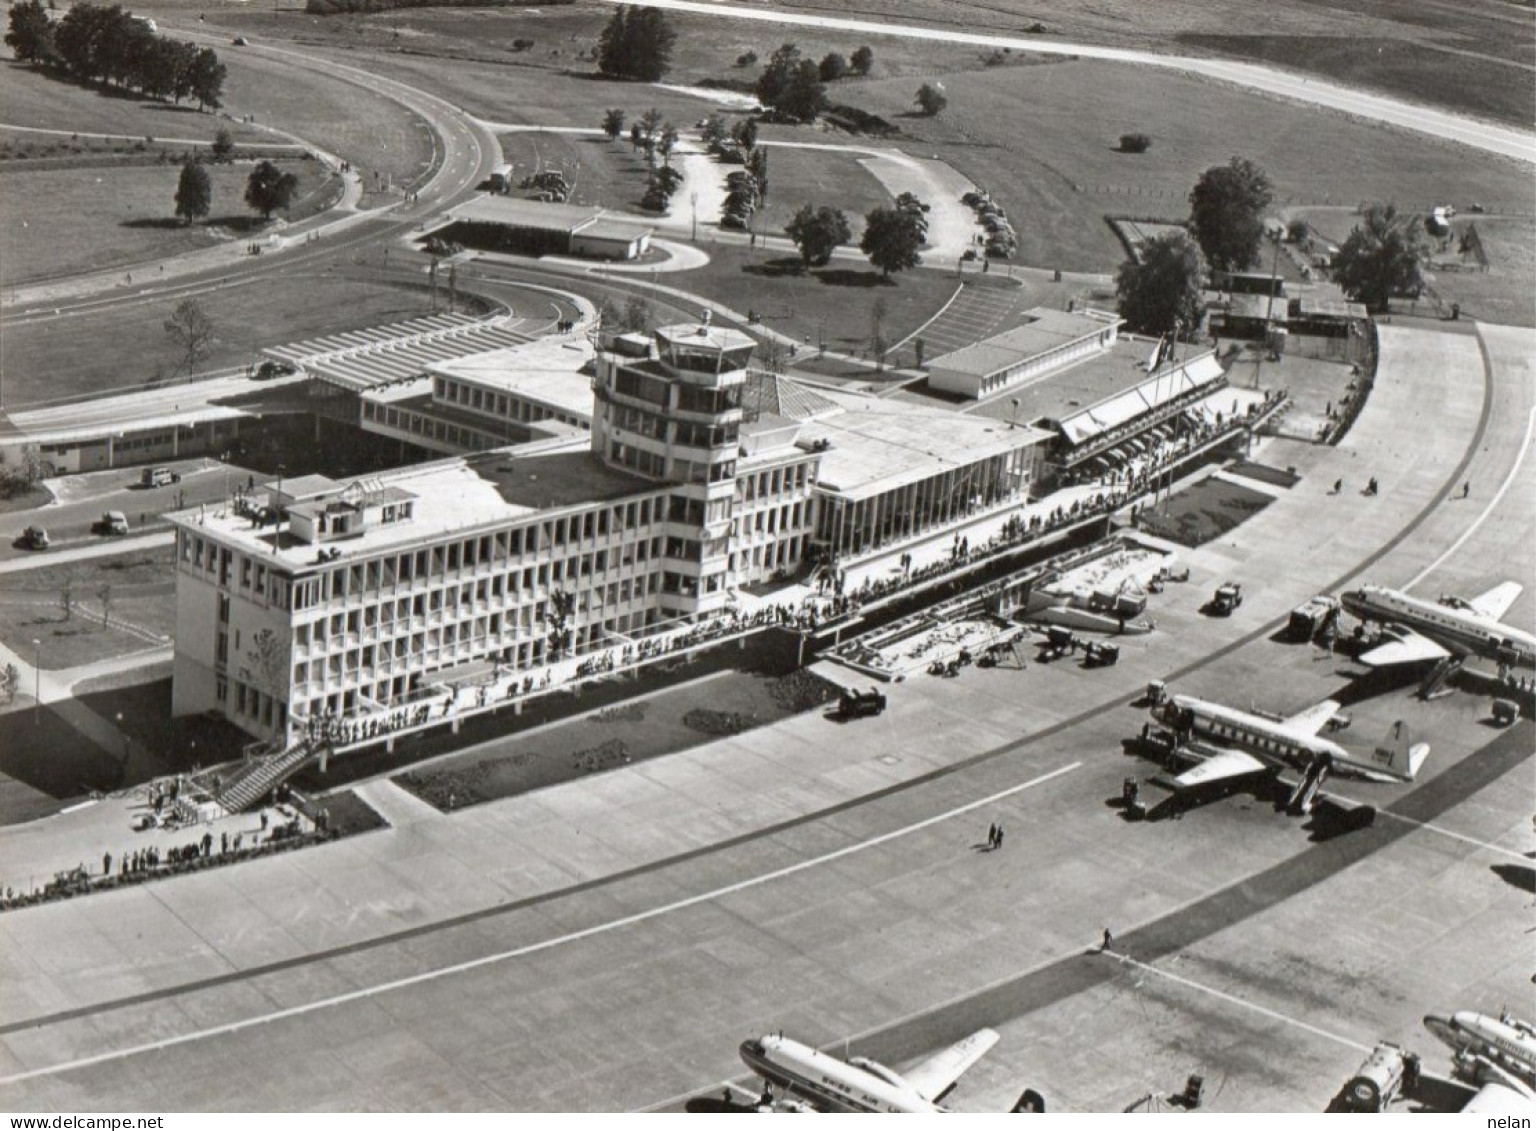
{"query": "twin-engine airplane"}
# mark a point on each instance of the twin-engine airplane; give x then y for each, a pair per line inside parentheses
(1252, 744)
(831, 1084)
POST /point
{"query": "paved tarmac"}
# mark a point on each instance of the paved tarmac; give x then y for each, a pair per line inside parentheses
(606, 944)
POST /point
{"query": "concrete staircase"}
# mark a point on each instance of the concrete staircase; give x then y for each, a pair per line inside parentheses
(259, 776)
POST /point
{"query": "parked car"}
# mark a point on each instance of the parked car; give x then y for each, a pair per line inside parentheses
(240, 41)
(855, 704)
(158, 477)
(33, 538)
(113, 523)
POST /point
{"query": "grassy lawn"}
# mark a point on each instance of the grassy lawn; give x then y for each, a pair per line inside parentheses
(143, 594)
(1202, 512)
(49, 359)
(634, 731)
(66, 221)
(832, 304)
(42, 102)
(1066, 166)
(818, 177)
(1420, 71)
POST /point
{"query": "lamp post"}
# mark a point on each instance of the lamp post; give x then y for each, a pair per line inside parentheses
(37, 684)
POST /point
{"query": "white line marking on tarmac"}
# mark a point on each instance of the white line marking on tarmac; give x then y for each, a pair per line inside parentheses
(1529, 431)
(535, 948)
(1490, 847)
(1242, 1002)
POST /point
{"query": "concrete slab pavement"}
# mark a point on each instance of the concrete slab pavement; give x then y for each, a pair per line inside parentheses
(1050, 905)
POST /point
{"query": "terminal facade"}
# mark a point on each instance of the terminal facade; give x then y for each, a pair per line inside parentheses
(696, 478)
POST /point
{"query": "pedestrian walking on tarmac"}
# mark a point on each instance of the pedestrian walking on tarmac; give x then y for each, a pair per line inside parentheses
(999, 836)
(1106, 938)
(989, 843)
(1465, 490)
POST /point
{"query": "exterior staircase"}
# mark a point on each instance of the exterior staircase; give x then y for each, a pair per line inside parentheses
(259, 776)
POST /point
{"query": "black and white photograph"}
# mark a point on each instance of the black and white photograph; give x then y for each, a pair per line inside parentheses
(766, 556)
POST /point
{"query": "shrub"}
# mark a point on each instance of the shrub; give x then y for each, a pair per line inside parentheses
(1134, 143)
(747, 59)
(1299, 231)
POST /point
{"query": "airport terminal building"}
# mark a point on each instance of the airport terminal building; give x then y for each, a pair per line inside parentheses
(347, 600)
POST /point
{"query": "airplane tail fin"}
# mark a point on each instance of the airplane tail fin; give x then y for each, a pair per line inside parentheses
(1398, 754)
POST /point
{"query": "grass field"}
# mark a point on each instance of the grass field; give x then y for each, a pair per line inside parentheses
(34, 99)
(1066, 168)
(64, 221)
(1202, 512)
(60, 358)
(143, 594)
(831, 304)
(812, 176)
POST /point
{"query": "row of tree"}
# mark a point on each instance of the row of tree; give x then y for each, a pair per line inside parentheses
(92, 43)
(891, 242)
(1163, 286)
(268, 189)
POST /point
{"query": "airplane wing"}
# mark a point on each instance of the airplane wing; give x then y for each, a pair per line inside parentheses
(1406, 648)
(1218, 767)
(1309, 722)
(1496, 601)
(933, 1077)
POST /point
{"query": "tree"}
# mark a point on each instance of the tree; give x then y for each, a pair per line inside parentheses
(714, 130)
(21, 468)
(758, 167)
(892, 239)
(817, 232)
(194, 194)
(638, 315)
(879, 314)
(668, 138)
(804, 98)
(437, 248)
(636, 43)
(207, 79)
(10, 682)
(776, 76)
(1299, 231)
(269, 190)
(193, 332)
(746, 134)
(269, 664)
(614, 122)
(30, 35)
(832, 67)
(1380, 259)
(1163, 286)
(1228, 204)
(861, 61)
(931, 98)
(223, 147)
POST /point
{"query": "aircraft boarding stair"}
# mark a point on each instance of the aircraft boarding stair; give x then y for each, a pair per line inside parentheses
(1302, 800)
(1434, 685)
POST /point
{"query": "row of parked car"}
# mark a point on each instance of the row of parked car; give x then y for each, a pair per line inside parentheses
(1000, 237)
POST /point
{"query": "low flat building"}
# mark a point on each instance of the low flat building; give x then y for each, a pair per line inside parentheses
(1047, 341)
(532, 227)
